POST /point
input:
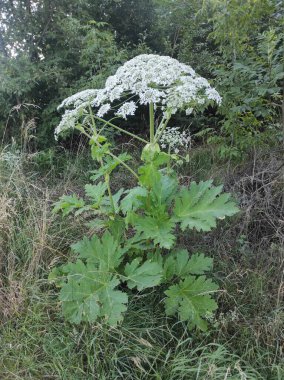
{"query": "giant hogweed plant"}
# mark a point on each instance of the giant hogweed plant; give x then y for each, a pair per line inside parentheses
(135, 244)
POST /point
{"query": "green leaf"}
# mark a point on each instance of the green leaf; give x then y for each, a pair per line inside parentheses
(199, 206)
(116, 198)
(90, 293)
(149, 152)
(113, 303)
(110, 254)
(178, 264)
(117, 227)
(139, 244)
(106, 252)
(191, 299)
(164, 190)
(148, 175)
(161, 159)
(198, 264)
(67, 204)
(79, 302)
(143, 276)
(109, 165)
(87, 248)
(132, 201)
(97, 224)
(96, 193)
(55, 276)
(157, 228)
(152, 155)
(99, 152)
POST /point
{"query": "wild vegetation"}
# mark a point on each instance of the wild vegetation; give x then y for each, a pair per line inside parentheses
(141, 232)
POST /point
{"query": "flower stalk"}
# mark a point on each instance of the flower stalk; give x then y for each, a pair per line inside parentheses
(152, 122)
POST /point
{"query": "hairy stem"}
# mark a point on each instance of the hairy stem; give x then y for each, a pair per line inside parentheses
(121, 130)
(169, 162)
(93, 120)
(124, 164)
(109, 192)
(151, 117)
(161, 129)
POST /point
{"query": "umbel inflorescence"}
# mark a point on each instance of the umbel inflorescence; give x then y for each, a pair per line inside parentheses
(139, 226)
(163, 81)
(174, 139)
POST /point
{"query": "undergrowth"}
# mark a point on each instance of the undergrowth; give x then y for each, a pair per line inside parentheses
(246, 337)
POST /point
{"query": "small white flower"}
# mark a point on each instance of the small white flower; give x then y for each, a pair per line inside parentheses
(78, 99)
(103, 110)
(70, 119)
(126, 109)
(101, 97)
(173, 139)
(115, 93)
(151, 78)
(151, 95)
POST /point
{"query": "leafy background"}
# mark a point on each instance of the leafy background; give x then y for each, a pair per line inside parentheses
(49, 50)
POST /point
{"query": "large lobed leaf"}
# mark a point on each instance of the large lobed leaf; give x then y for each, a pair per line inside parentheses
(164, 190)
(133, 200)
(105, 252)
(89, 287)
(191, 299)
(158, 228)
(89, 293)
(96, 192)
(179, 264)
(143, 276)
(199, 206)
(68, 204)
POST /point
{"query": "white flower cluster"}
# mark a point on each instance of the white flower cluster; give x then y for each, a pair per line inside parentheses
(174, 139)
(78, 99)
(80, 103)
(70, 119)
(148, 78)
(128, 108)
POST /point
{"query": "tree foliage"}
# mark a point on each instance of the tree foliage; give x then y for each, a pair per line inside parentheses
(49, 50)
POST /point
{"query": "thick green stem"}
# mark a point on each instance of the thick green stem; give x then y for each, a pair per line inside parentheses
(109, 192)
(93, 120)
(124, 164)
(152, 121)
(121, 130)
(114, 156)
(161, 129)
(169, 162)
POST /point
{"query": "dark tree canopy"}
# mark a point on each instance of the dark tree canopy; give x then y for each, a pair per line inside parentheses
(51, 49)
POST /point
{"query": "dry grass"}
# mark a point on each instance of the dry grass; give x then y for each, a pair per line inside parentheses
(32, 239)
(248, 254)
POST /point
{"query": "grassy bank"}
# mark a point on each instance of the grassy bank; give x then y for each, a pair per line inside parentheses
(245, 340)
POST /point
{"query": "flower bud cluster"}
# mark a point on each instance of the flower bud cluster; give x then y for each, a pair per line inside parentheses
(174, 139)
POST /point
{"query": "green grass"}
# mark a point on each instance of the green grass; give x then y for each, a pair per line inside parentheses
(245, 340)
(38, 344)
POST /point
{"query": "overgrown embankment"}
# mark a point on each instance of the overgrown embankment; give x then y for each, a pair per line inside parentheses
(245, 340)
